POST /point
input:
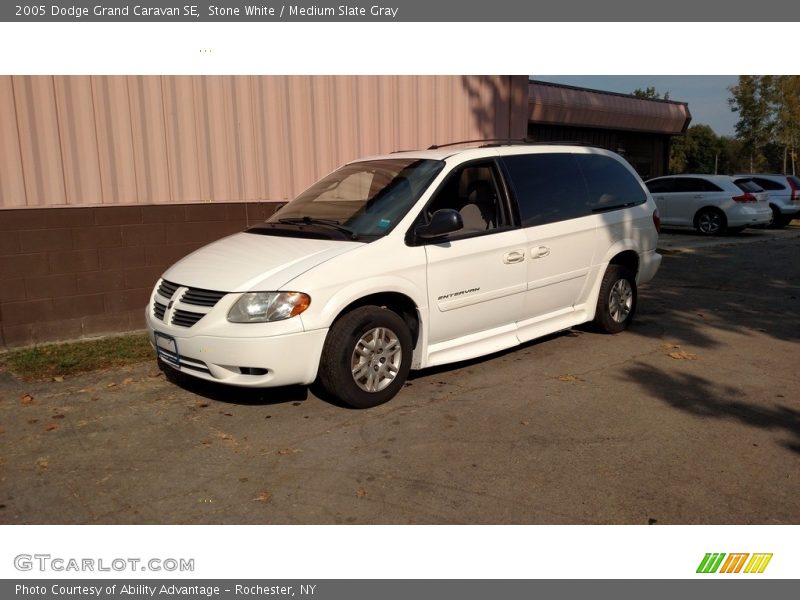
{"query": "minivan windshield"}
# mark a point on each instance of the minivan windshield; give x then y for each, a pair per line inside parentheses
(362, 200)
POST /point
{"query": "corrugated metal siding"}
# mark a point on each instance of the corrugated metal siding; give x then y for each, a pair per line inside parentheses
(12, 180)
(101, 140)
(39, 142)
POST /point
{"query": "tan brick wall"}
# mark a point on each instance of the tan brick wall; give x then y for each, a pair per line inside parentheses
(67, 273)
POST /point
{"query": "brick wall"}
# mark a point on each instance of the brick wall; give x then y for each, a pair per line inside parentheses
(67, 273)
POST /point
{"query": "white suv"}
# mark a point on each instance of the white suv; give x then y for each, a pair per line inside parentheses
(712, 204)
(784, 196)
(411, 260)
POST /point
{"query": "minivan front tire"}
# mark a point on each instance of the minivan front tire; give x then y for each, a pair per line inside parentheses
(616, 304)
(366, 358)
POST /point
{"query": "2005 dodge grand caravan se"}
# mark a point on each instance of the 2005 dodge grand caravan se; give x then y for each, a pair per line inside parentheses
(412, 260)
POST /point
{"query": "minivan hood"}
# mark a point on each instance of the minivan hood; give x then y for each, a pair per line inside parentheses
(253, 262)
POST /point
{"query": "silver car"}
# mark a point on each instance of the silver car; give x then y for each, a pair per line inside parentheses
(712, 204)
(784, 196)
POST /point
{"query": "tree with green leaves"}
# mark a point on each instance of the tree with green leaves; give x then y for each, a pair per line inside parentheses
(769, 120)
(700, 150)
(650, 93)
(784, 98)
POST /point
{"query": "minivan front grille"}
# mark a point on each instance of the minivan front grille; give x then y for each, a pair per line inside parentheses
(200, 297)
(185, 318)
(167, 289)
(171, 299)
(159, 310)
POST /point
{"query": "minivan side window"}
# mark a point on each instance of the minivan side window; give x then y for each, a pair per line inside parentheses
(548, 187)
(610, 184)
(472, 190)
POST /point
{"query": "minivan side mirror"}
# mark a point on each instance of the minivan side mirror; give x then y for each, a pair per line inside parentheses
(443, 221)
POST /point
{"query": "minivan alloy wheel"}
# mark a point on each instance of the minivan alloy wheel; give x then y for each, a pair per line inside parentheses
(366, 357)
(616, 303)
(620, 300)
(376, 359)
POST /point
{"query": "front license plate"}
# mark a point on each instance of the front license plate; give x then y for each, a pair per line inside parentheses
(167, 349)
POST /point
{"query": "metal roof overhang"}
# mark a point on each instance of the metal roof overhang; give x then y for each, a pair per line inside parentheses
(581, 107)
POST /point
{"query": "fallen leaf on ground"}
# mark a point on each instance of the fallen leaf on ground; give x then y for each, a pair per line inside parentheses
(42, 463)
(26, 399)
(51, 426)
(264, 496)
(524, 423)
(156, 374)
(284, 451)
(567, 377)
(112, 384)
(59, 379)
(361, 492)
(683, 355)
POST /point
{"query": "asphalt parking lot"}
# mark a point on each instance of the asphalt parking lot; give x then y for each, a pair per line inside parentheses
(691, 416)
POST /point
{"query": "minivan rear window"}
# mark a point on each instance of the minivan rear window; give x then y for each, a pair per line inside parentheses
(560, 186)
(610, 184)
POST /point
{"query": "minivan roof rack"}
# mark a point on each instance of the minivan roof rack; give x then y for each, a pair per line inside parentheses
(490, 142)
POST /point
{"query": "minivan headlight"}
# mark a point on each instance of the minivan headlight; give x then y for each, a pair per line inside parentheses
(262, 307)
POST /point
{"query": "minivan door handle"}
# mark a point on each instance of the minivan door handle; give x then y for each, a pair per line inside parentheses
(540, 252)
(513, 257)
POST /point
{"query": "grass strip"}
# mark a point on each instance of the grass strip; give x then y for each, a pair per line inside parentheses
(61, 360)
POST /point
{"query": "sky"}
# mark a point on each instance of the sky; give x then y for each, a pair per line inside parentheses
(707, 95)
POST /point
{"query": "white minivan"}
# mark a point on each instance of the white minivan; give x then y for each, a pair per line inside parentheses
(411, 260)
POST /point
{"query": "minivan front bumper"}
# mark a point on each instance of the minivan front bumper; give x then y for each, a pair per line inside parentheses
(289, 359)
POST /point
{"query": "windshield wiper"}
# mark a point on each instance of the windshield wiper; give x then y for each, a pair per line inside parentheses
(325, 222)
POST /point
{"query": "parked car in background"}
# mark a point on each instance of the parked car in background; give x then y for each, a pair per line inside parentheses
(412, 260)
(784, 196)
(712, 204)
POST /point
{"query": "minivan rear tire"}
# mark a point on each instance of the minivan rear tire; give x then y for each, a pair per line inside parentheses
(616, 304)
(382, 341)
